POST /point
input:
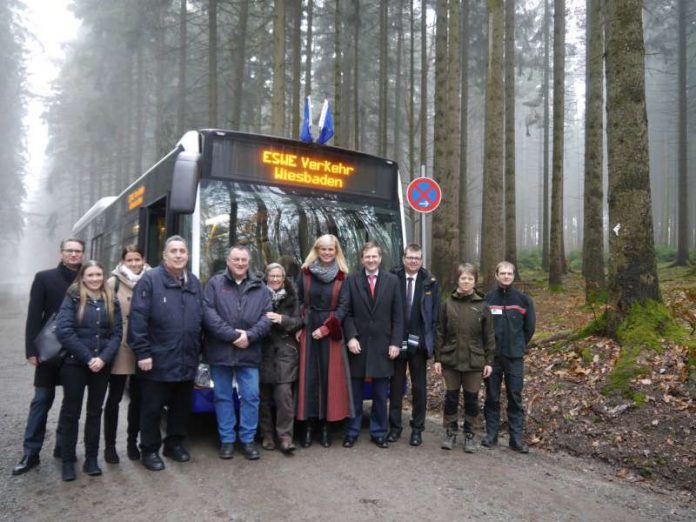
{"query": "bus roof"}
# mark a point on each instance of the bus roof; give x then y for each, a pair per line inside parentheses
(96, 209)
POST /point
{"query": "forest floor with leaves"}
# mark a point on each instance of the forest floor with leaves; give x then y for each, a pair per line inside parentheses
(647, 434)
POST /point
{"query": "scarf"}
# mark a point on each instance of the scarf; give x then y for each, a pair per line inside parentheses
(278, 296)
(324, 273)
(129, 277)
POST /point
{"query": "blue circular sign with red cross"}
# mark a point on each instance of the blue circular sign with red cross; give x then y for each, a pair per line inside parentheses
(424, 195)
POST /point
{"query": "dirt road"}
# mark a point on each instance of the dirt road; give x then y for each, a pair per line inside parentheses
(362, 483)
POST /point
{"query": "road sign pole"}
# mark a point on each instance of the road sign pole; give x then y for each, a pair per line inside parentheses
(424, 228)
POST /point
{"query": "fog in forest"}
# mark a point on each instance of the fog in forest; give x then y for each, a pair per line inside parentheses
(140, 73)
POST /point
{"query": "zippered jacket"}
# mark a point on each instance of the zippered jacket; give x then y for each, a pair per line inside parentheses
(514, 320)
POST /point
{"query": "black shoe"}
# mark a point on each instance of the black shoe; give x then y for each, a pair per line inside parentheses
(324, 438)
(380, 442)
(226, 450)
(306, 440)
(416, 438)
(91, 467)
(393, 435)
(68, 471)
(24, 465)
(110, 455)
(286, 444)
(349, 441)
(152, 461)
(489, 441)
(250, 451)
(519, 447)
(57, 452)
(133, 451)
(177, 453)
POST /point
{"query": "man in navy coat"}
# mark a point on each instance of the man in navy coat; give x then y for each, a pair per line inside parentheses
(373, 326)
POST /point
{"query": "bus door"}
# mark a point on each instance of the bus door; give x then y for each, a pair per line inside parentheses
(153, 227)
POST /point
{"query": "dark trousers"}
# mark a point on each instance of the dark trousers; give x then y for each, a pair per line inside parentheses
(379, 419)
(75, 379)
(417, 366)
(281, 395)
(511, 371)
(117, 384)
(177, 396)
(35, 430)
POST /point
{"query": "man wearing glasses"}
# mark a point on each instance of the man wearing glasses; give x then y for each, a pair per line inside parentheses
(421, 300)
(45, 298)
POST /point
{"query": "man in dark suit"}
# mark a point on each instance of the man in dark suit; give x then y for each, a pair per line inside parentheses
(421, 300)
(47, 294)
(373, 325)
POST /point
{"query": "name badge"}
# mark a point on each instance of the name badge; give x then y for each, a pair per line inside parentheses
(496, 311)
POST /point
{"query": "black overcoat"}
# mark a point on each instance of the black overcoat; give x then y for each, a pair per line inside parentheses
(376, 322)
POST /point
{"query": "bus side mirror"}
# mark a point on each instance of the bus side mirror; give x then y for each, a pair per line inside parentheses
(182, 199)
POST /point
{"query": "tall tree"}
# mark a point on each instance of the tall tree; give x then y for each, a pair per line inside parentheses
(464, 252)
(212, 64)
(682, 258)
(632, 262)
(296, 67)
(492, 228)
(510, 207)
(278, 99)
(545, 159)
(238, 43)
(356, 74)
(338, 72)
(383, 88)
(593, 223)
(397, 146)
(556, 239)
(308, 48)
(181, 80)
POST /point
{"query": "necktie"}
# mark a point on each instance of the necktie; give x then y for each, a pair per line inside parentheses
(371, 279)
(409, 296)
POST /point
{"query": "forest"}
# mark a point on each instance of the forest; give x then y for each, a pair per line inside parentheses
(560, 131)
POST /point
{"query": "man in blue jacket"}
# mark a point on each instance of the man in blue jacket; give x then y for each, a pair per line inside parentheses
(164, 332)
(420, 295)
(514, 321)
(235, 322)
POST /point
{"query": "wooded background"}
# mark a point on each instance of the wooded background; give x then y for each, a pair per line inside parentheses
(502, 101)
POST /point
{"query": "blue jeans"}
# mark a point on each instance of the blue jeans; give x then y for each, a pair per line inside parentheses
(36, 422)
(248, 387)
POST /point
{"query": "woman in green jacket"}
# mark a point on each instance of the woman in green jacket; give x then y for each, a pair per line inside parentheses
(464, 351)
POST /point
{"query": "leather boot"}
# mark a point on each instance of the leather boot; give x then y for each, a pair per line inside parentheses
(110, 455)
(324, 437)
(133, 451)
(91, 467)
(68, 472)
(306, 439)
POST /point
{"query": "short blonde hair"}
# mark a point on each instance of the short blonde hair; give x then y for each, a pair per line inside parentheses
(314, 252)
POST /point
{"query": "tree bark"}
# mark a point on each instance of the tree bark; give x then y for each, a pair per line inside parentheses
(545, 160)
(296, 68)
(510, 207)
(464, 249)
(556, 240)
(593, 222)
(212, 64)
(308, 50)
(397, 148)
(356, 75)
(632, 263)
(238, 43)
(181, 83)
(682, 258)
(492, 228)
(338, 70)
(383, 90)
(278, 95)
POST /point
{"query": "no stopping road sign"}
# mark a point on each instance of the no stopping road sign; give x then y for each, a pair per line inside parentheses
(424, 195)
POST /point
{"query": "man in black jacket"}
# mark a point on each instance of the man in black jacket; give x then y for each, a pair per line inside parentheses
(47, 293)
(420, 295)
(514, 321)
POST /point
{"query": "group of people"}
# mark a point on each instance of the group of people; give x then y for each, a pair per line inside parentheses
(299, 352)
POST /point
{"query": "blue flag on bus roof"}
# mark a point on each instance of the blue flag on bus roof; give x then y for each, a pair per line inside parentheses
(326, 124)
(306, 129)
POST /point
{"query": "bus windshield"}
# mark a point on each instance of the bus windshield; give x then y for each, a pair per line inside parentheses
(281, 224)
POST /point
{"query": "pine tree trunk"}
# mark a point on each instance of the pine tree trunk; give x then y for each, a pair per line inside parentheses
(510, 207)
(356, 76)
(238, 43)
(593, 223)
(464, 250)
(556, 239)
(212, 64)
(278, 95)
(545, 159)
(338, 69)
(139, 105)
(383, 91)
(309, 50)
(632, 262)
(492, 228)
(682, 162)
(296, 68)
(397, 148)
(181, 84)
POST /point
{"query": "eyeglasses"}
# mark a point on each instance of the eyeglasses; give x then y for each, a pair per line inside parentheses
(413, 258)
(72, 251)
(276, 277)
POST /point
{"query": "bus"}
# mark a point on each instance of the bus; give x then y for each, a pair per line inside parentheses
(218, 188)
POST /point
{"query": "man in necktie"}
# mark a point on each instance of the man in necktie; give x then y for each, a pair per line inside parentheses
(372, 323)
(421, 297)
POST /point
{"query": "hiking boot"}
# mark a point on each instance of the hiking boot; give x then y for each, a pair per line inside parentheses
(450, 440)
(469, 446)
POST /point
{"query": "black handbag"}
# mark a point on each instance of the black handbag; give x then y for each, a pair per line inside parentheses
(48, 347)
